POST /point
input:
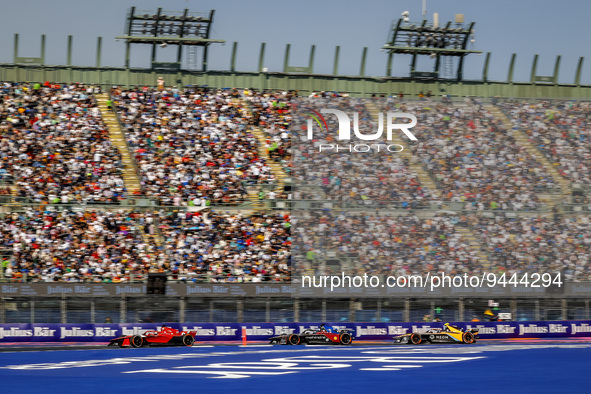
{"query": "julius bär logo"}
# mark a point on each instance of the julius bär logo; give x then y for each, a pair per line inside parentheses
(344, 132)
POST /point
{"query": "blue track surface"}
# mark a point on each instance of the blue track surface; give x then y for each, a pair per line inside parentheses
(549, 368)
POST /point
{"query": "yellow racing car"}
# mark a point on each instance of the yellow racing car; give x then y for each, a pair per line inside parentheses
(448, 334)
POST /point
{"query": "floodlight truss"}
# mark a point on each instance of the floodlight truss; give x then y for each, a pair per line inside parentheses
(169, 28)
(426, 39)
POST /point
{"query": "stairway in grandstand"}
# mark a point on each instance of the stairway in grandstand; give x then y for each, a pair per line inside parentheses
(552, 199)
(475, 244)
(129, 174)
(276, 168)
(428, 182)
(414, 166)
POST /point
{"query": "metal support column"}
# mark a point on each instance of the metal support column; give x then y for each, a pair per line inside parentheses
(389, 66)
(211, 310)
(432, 311)
(513, 308)
(579, 69)
(93, 311)
(2, 311)
(511, 67)
(123, 309)
(556, 69)
(99, 45)
(127, 50)
(262, 57)
(406, 314)
(311, 60)
(335, 67)
(182, 309)
(296, 310)
(352, 305)
(206, 46)
(464, 46)
(413, 64)
(18, 74)
(586, 311)
(63, 309)
(534, 66)
(32, 307)
(379, 311)
(15, 53)
(233, 59)
(43, 49)
(69, 62)
(240, 310)
(485, 70)
(286, 58)
(437, 63)
(268, 310)
(323, 313)
(363, 58)
(179, 55)
(537, 310)
(156, 27)
(461, 309)
(564, 309)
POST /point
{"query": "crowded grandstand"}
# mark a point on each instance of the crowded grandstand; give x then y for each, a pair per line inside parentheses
(197, 148)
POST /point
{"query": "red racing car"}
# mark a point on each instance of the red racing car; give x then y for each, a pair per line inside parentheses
(167, 336)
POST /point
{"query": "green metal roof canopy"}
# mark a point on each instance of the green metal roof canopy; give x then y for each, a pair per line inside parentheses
(168, 28)
(428, 39)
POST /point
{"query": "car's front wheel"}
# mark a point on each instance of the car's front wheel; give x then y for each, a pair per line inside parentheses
(416, 339)
(188, 340)
(136, 341)
(294, 339)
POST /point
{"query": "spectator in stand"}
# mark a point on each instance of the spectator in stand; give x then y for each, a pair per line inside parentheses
(192, 144)
(55, 147)
(474, 160)
(561, 130)
(120, 246)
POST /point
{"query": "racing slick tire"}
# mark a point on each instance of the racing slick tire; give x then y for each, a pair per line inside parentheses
(294, 339)
(416, 339)
(188, 340)
(345, 338)
(468, 338)
(136, 341)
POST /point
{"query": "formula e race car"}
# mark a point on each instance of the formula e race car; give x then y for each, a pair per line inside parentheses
(167, 336)
(447, 334)
(324, 336)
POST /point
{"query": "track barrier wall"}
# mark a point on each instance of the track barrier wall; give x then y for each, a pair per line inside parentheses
(102, 333)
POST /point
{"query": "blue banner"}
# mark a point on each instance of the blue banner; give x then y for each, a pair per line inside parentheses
(103, 333)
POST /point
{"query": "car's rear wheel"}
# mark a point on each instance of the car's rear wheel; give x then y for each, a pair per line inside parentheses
(294, 339)
(188, 340)
(345, 338)
(136, 341)
(468, 337)
(416, 339)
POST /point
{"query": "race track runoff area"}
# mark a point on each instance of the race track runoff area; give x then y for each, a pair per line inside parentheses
(485, 367)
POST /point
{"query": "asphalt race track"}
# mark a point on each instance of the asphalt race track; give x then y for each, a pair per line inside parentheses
(547, 367)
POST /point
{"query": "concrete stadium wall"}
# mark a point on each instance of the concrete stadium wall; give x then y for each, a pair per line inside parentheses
(356, 85)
